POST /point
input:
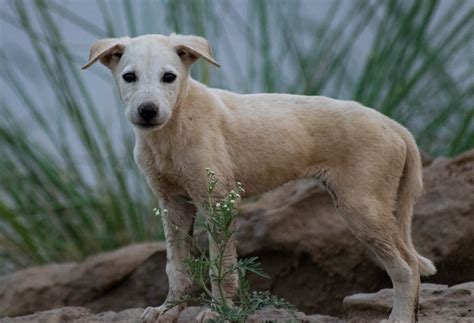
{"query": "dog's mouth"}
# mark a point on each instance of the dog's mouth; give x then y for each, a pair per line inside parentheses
(147, 125)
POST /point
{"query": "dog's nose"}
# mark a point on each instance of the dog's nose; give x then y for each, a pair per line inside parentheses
(147, 111)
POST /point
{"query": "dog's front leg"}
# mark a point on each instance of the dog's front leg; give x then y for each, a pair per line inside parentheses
(178, 220)
(222, 245)
(224, 278)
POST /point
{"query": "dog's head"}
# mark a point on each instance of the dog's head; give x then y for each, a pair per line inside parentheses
(151, 72)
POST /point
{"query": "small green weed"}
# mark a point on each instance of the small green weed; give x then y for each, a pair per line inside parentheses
(218, 223)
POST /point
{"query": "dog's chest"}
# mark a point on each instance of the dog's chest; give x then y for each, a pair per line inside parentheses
(152, 162)
(161, 171)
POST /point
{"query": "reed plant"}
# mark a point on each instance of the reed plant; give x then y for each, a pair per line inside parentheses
(68, 183)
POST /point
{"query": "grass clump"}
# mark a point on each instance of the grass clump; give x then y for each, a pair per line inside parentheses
(218, 223)
(69, 187)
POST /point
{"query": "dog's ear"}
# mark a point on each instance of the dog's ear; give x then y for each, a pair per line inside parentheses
(190, 48)
(108, 51)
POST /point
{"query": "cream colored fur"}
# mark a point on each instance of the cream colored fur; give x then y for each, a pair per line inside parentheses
(368, 163)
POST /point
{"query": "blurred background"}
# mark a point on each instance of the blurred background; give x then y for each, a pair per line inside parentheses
(68, 183)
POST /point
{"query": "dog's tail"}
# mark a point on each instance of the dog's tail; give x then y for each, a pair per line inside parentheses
(411, 187)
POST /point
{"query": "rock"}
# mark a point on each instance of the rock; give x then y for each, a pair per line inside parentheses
(308, 250)
(426, 159)
(438, 303)
(315, 260)
(269, 314)
(311, 255)
(443, 224)
(107, 281)
(84, 315)
(78, 315)
(292, 230)
(146, 284)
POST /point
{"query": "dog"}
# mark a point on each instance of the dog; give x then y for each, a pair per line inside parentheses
(369, 164)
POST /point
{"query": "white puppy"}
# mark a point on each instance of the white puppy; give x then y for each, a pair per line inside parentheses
(369, 163)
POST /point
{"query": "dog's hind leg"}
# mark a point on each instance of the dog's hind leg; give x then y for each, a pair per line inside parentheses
(373, 223)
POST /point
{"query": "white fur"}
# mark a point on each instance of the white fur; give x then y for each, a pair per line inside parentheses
(369, 163)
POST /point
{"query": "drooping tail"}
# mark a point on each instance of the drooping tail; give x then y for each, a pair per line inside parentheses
(411, 186)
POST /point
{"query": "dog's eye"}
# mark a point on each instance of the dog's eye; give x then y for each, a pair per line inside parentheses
(129, 77)
(168, 77)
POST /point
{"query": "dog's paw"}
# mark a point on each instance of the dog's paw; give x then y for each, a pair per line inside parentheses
(158, 314)
(205, 315)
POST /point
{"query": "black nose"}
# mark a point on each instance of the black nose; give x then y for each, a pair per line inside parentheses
(147, 111)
